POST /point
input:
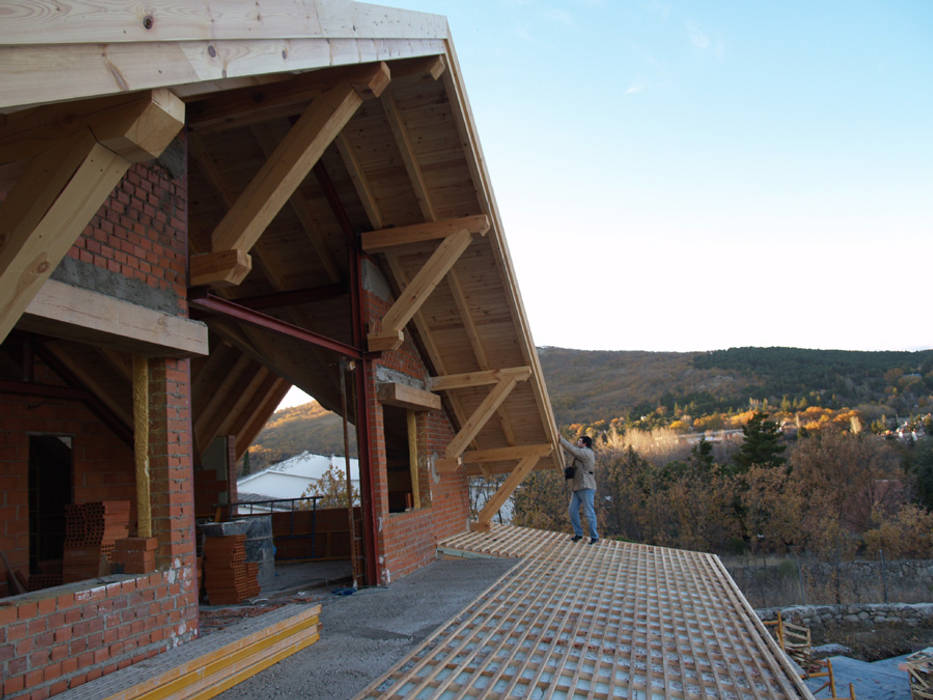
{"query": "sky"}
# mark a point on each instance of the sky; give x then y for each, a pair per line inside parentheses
(708, 174)
(680, 176)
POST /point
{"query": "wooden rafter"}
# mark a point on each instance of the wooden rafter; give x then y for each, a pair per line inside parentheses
(360, 183)
(515, 477)
(65, 184)
(88, 373)
(385, 239)
(403, 142)
(258, 418)
(481, 458)
(247, 395)
(212, 413)
(291, 161)
(389, 335)
(268, 138)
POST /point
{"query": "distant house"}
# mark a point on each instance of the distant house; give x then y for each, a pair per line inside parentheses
(292, 477)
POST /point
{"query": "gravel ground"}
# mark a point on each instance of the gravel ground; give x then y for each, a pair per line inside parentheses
(363, 635)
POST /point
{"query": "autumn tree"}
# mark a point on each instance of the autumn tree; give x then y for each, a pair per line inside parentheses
(541, 501)
(332, 487)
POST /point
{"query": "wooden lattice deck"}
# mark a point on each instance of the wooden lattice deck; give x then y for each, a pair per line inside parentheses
(603, 621)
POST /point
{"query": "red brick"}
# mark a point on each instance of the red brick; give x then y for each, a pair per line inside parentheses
(27, 610)
(14, 685)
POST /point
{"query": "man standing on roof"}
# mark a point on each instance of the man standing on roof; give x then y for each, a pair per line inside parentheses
(584, 485)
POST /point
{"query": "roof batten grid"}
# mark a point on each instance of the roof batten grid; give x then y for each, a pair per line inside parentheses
(613, 620)
(500, 631)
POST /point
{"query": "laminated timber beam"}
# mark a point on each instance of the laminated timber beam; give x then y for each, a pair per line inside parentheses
(389, 334)
(409, 397)
(289, 164)
(65, 184)
(388, 238)
(471, 379)
(495, 454)
(487, 408)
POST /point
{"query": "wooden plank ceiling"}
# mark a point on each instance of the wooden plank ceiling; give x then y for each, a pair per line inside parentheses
(398, 162)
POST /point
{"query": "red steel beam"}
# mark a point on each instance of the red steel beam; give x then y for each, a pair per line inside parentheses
(224, 307)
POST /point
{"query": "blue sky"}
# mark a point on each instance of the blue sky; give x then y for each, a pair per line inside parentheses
(710, 174)
(702, 175)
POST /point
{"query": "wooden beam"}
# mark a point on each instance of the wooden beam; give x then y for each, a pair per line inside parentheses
(388, 238)
(268, 140)
(413, 459)
(360, 182)
(412, 398)
(65, 185)
(246, 396)
(504, 454)
(89, 374)
(403, 143)
(417, 291)
(210, 414)
(141, 444)
(91, 317)
(45, 212)
(222, 268)
(285, 169)
(136, 126)
(483, 412)
(518, 474)
(259, 417)
(480, 378)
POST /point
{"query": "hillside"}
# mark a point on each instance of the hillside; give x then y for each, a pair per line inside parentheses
(587, 386)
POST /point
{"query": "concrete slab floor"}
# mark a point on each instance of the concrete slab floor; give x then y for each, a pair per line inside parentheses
(364, 634)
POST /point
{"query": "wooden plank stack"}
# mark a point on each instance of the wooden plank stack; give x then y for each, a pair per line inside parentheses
(228, 577)
(91, 529)
(222, 666)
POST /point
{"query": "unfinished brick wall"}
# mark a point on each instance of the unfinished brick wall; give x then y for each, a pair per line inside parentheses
(137, 241)
(50, 642)
(102, 466)
(407, 541)
(135, 248)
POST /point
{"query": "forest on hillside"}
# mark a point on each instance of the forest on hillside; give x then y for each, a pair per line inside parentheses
(587, 386)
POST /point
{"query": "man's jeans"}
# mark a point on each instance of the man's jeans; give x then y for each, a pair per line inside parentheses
(584, 497)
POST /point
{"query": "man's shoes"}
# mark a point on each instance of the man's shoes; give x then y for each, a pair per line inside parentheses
(576, 538)
(594, 540)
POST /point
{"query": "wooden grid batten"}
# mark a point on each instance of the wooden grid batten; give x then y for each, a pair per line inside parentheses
(605, 621)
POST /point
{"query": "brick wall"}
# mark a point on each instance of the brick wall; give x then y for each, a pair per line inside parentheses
(135, 249)
(58, 639)
(102, 466)
(407, 541)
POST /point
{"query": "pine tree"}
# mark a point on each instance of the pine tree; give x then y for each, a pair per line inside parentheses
(761, 444)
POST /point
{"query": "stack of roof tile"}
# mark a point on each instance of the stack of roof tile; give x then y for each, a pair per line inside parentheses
(135, 555)
(91, 529)
(228, 577)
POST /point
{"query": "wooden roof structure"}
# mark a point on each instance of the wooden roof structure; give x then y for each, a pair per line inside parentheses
(310, 125)
(613, 620)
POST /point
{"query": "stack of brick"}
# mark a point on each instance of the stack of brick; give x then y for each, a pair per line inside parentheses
(135, 555)
(228, 577)
(91, 529)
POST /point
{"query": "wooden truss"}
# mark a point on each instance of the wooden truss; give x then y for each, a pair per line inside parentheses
(278, 179)
(605, 621)
(78, 153)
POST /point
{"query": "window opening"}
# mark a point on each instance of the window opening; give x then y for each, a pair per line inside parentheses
(401, 441)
